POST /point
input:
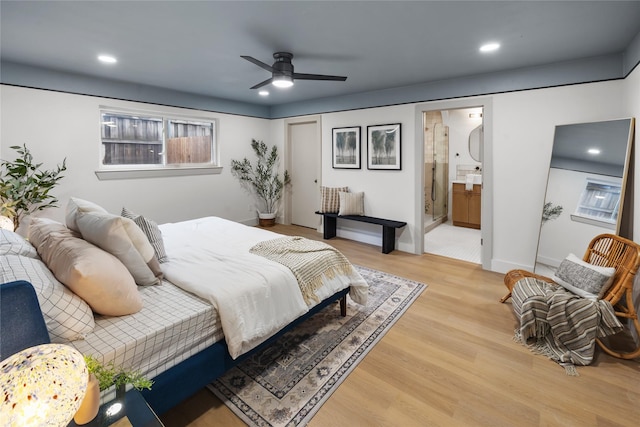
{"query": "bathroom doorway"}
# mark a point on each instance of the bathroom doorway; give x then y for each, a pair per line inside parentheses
(450, 160)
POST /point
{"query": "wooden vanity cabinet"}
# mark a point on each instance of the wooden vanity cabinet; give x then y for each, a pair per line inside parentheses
(466, 206)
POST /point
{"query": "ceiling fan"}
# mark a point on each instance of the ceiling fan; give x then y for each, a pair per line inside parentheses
(282, 74)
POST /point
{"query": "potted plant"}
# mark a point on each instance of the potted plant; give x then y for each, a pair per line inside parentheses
(109, 375)
(24, 188)
(102, 377)
(262, 179)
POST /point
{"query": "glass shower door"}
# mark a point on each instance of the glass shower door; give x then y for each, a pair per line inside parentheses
(440, 175)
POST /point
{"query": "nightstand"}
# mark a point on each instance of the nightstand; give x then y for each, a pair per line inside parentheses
(136, 410)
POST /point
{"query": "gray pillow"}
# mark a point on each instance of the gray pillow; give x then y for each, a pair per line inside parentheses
(151, 230)
(583, 279)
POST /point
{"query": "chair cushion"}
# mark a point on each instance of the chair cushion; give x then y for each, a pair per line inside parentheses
(584, 279)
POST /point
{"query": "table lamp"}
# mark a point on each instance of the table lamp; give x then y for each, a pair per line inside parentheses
(42, 386)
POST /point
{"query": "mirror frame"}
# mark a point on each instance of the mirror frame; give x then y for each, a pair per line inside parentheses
(625, 200)
(476, 137)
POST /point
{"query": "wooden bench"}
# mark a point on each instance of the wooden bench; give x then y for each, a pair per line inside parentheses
(388, 227)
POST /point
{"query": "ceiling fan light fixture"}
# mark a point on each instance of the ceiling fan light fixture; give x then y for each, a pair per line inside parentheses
(107, 59)
(489, 47)
(282, 81)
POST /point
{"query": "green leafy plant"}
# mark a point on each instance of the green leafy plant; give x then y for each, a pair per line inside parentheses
(108, 375)
(25, 188)
(262, 178)
(550, 212)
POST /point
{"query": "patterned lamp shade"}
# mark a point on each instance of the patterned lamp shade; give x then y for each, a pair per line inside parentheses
(42, 386)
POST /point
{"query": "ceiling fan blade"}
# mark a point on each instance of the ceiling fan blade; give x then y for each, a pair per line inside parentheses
(302, 76)
(258, 63)
(264, 83)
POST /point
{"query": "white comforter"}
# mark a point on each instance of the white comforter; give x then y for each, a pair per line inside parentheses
(255, 297)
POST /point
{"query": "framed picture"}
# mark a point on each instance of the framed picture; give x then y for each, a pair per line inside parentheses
(383, 147)
(346, 148)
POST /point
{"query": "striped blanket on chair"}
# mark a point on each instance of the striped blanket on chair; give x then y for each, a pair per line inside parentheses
(559, 324)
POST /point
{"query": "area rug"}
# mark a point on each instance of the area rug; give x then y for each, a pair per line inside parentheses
(286, 384)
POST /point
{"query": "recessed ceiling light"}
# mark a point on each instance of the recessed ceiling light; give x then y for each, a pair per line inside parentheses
(489, 47)
(263, 93)
(107, 59)
(593, 151)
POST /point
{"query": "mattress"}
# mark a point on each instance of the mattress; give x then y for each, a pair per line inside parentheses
(172, 326)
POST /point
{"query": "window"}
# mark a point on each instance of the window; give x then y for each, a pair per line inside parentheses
(132, 141)
(599, 203)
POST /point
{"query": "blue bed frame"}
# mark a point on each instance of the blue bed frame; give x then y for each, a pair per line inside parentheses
(186, 378)
(21, 314)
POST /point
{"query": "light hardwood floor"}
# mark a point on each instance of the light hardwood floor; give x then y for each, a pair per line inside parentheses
(451, 361)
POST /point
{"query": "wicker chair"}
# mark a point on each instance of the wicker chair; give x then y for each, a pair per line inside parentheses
(605, 250)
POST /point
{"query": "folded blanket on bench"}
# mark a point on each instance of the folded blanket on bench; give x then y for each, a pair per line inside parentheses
(559, 324)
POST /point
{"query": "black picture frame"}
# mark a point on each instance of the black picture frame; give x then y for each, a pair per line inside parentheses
(346, 151)
(384, 145)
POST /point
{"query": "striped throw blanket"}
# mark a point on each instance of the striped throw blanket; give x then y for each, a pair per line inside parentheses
(559, 324)
(308, 260)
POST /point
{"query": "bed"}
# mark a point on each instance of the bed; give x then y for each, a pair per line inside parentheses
(184, 336)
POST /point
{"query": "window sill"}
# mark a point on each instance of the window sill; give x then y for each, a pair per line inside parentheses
(104, 175)
(604, 224)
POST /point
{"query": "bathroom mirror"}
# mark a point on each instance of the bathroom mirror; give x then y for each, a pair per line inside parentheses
(475, 143)
(585, 188)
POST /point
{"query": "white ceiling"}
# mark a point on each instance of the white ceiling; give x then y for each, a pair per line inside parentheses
(195, 46)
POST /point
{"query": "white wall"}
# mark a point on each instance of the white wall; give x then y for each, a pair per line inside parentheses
(57, 125)
(524, 124)
(387, 193)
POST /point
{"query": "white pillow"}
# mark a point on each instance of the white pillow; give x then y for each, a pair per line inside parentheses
(12, 243)
(66, 315)
(122, 238)
(583, 279)
(96, 276)
(75, 206)
(351, 203)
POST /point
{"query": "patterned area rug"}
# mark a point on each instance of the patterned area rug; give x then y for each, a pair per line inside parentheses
(287, 383)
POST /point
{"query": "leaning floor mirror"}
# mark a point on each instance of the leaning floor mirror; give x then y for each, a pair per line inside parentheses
(586, 186)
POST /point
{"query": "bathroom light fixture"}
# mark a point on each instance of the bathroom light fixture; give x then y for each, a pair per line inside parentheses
(283, 81)
(107, 59)
(263, 93)
(489, 47)
(475, 115)
(593, 151)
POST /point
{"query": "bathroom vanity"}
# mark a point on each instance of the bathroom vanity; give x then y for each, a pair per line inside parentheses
(466, 205)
